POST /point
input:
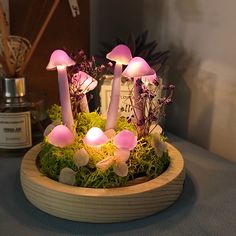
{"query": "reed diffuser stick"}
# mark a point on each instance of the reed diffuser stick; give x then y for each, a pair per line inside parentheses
(7, 66)
(39, 35)
(3, 63)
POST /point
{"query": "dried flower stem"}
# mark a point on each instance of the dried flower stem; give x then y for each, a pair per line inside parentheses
(153, 100)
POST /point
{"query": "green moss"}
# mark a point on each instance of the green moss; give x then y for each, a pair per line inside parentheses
(143, 160)
(86, 121)
(123, 124)
(54, 112)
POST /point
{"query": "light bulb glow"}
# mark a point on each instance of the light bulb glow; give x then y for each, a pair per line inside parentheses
(95, 137)
(61, 67)
(137, 68)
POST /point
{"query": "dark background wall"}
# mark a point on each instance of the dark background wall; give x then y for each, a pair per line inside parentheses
(63, 31)
(201, 38)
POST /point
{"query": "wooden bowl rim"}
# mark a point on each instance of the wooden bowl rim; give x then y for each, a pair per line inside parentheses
(29, 169)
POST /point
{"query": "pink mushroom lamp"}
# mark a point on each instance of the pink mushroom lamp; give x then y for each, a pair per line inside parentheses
(121, 55)
(125, 141)
(59, 60)
(61, 136)
(85, 83)
(95, 137)
(137, 68)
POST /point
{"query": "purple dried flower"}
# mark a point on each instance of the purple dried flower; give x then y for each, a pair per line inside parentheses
(81, 67)
(78, 97)
(141, 122)
(168, 101)
(99, 69)
(155, 82)
(151, 96)
(81, 53)
(129, 119)
(90, 64)
(139, 82)
(91, 96)
(140, 90)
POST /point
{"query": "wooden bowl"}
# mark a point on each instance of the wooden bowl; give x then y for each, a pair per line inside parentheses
(102, 205)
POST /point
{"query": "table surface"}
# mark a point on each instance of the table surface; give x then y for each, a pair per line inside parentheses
(207, 205)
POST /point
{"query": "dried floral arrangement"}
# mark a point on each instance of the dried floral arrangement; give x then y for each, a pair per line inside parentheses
(83, 148)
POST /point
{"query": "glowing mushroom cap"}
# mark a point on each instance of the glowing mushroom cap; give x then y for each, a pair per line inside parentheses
(61, 136)
(95, 137)
(138, 67)
(125, 140)
(59, 58)
(85, 82)
(120, 54)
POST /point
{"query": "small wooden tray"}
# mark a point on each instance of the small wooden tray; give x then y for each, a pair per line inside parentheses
(102, 205)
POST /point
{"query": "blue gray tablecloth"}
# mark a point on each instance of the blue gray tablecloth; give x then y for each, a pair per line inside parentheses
(207, 205)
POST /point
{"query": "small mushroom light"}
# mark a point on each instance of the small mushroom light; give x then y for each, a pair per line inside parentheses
(85, 83)
(67, 176)
(159, 146)
(121, 55)
(59, 60)
(125, 140)
(81, 158)
(95, 137)
(61, 136)
(137, 68)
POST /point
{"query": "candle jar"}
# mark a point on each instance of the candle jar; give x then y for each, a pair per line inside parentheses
(22, 116)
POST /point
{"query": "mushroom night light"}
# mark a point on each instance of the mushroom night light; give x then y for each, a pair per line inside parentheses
(60, 60)
(85, 83)
(90, 168)
(137, 68)
(61, 136)
(95, 137)
(121, 55)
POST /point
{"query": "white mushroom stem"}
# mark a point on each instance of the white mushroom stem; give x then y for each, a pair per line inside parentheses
(83, 103)
(112, 113)
(67, 117)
